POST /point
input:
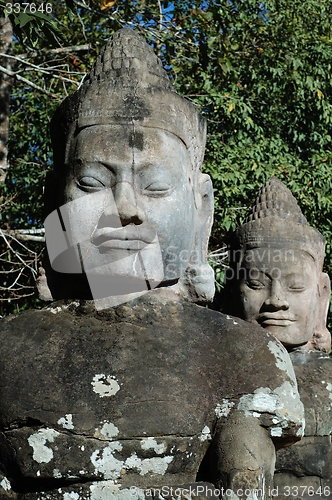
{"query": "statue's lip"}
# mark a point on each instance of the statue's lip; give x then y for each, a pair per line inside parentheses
(273, 320)
(123, 237)
(129, 245)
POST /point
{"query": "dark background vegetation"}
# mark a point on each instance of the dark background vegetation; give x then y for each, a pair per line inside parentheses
(259, 71)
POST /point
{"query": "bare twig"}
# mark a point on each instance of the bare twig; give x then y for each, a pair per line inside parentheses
(65, 88)
(28, 82)
(60, 50)
(16, 280)
(82, 24)
(23, 263)
(40, 230)
(61, 70)
(48, 71)
(218, 256)
(160, 16)
(25, 235)
(7, 201)
(34, 271)
(18, 297)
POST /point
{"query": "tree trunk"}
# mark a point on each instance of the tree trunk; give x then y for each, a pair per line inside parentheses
(5, 84)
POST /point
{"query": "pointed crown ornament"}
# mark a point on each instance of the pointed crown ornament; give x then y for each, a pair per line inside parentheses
(276, 221)
(127, 85)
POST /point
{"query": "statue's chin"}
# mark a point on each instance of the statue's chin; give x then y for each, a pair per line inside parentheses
(165, 292)
(106, 285)
(290, 336)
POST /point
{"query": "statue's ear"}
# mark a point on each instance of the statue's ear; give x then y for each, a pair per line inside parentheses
(325, 294)
(198, 280)
(204, 214)
(321, 339)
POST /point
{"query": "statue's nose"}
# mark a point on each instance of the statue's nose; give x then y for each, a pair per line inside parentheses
(128, 210)
(277, 299)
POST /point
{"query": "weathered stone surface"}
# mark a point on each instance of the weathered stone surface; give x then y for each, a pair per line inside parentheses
(312, 456)
(133, 395)
(313, 371)
(105, 490)
(301, 488)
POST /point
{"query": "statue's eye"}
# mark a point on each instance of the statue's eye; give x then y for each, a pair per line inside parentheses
(297, 287)
(255, 284)
(158, 189)
(90, 184)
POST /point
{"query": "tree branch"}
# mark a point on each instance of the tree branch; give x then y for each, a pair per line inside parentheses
(25, 234)
(60, 50)
(28, 82)
(42, 70)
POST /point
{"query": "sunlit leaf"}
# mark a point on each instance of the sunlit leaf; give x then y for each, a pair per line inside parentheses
(107, 4)
(320, 94)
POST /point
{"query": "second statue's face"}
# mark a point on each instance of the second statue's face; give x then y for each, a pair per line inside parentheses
(129, 193)
(279, 291)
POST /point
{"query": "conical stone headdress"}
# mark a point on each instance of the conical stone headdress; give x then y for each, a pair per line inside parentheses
(127, 85)
(276, 221)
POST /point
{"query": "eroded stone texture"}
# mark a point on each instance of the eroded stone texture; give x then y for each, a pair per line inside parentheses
(100, 396)
(309, 462)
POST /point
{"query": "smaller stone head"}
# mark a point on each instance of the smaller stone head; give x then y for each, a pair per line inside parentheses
(132, 207)
(275, 275)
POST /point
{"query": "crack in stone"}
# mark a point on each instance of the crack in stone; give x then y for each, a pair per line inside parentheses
(68, 432)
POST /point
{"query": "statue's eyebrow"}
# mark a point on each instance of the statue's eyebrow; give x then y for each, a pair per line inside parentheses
(260, 273)
(294, 274)
(94, 162)
(149, 165)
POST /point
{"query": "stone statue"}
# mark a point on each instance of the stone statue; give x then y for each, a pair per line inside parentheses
(276, 281)
(150, 144)
(125, 388)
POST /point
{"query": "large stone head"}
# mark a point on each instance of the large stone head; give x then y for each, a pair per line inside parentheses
(132, 207)
(276, 271)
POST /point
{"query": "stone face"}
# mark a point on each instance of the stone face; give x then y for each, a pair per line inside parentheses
(128, 199)
(134, 395)
(276, 273)
(142, 182)
(273, 279)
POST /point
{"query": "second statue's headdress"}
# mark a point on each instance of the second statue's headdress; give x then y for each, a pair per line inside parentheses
(276, 221)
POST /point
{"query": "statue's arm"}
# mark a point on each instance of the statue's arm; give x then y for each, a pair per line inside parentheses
(242, 454)
(242, 457)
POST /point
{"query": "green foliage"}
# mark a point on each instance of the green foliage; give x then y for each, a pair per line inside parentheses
(260, 73)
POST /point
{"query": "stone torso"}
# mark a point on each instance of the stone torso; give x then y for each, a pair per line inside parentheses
(127, 396)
